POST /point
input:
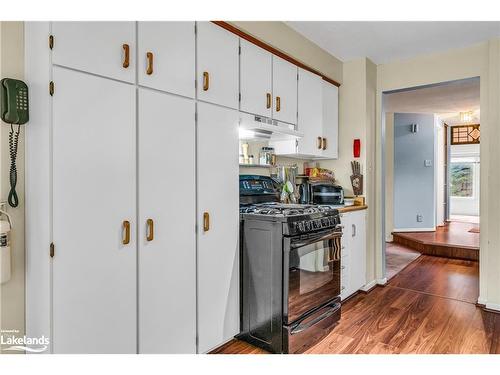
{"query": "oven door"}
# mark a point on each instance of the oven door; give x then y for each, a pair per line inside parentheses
(311, 272)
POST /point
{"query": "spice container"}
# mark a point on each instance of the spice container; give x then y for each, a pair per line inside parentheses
(266, 156)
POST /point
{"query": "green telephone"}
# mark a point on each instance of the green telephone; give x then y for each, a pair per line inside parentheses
(14, 110)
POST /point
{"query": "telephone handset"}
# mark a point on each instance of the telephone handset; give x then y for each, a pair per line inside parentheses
(14, 110)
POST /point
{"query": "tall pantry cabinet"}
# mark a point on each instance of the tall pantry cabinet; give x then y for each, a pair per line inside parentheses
(120, 189)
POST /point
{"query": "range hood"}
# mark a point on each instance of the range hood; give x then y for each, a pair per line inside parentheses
(253, 127)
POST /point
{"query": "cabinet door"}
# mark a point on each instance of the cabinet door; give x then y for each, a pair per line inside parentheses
(167, 245)
(96, 47)
(284, 90)
(310, 113)
(357, 233)
(218, 226)
(166, 56)
(255, 79)
(345, 265)
(330, 121)
(94, 193)
(217, 65)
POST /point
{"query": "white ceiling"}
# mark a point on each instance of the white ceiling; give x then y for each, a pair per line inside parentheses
(383, 42)
(446, 99)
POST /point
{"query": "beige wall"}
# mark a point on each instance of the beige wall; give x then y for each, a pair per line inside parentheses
(352, 122)
(481, 60)
(357, 100)
(12, 292)
(287, 40)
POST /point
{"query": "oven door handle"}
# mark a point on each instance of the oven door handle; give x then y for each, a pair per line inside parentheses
(313, 239)
(299, 328)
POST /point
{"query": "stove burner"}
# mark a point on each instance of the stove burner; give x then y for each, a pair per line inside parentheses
(283, 209)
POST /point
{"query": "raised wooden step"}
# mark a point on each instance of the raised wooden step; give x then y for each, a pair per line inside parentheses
(451, 241)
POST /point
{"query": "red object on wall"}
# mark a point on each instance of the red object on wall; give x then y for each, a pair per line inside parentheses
(356, 148)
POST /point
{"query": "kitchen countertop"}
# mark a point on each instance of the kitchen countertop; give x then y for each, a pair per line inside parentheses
(351, 208)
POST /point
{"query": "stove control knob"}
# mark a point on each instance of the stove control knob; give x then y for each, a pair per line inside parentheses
(317, 224)
(307, 225)
(299, 226)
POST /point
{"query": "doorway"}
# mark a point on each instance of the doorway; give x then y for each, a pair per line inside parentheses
(432, 183)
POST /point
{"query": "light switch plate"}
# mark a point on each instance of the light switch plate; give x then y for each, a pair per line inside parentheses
(428, 163)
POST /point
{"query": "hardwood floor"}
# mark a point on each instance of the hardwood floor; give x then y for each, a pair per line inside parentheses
(427, 308)
(454, 240)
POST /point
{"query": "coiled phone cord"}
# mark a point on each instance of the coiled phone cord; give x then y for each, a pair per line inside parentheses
(13, 143)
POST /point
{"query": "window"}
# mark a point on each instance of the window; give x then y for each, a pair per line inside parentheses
(465, 134)
(461, 179)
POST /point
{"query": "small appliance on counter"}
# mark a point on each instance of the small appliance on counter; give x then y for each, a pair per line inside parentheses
(322, 193)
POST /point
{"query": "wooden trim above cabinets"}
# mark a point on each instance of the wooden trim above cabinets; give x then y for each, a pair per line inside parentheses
(271, 49)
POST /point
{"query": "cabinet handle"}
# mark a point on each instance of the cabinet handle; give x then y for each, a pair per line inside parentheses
(324, 143)
(320, 143)
(126, 58)
(206, 81)
(268, 100)
(150, 236)
(278, 104)
(126, 228)
(354, 230)
(149, 70)
(206, 222)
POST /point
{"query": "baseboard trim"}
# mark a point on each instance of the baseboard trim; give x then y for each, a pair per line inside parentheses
(369, 286)
(382, 281)
(492, 307)
(402, 230)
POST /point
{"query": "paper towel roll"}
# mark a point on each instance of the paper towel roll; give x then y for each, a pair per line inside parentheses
(4, 264)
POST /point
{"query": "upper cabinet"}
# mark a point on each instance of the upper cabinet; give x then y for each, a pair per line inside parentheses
(330, 146)
(103, 48)
(166, 56)
(255, 79)
(310, 113)
(284, 90)
(217, 71)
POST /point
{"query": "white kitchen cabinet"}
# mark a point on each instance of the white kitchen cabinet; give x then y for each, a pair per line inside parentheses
(284, 91)
(102, 48)
(166, 237)
(255, 79)
(166, 56)
(94, 215)
(353, 261)
(330, 121)
(218, 226)
(217, 65)
(310, 113)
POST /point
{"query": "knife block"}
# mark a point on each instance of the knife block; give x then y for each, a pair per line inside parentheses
(357, 184)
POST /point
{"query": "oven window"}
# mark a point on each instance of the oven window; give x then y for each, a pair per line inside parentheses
(313, 275)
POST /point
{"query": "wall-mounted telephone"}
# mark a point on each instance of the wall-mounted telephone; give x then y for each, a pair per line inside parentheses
(14, 111)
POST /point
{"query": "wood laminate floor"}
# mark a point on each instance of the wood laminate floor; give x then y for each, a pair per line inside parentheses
(429, 307)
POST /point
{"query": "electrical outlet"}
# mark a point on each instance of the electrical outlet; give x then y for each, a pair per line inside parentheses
(420, 218)
(428, 163)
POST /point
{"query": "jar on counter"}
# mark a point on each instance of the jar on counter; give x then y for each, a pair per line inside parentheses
(266, 156)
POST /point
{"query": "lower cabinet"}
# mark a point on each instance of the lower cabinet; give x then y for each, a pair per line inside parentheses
(353, 255)
(124, 281)
(166, 223)
(94, 304)
(218, 225)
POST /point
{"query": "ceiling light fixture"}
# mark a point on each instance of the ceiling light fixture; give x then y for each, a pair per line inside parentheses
(466, 116)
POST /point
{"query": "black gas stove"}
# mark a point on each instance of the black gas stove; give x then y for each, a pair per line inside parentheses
(291, 251)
